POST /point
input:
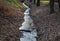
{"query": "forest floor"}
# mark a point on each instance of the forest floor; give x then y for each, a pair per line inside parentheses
(11, 19)
(47, 25)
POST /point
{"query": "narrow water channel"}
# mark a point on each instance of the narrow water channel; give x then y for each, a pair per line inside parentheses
(28, 30)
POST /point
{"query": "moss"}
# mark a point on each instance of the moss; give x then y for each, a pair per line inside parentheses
(44, 3)
(14, 3)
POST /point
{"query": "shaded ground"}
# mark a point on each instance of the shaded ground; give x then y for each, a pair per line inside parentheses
(48, 25)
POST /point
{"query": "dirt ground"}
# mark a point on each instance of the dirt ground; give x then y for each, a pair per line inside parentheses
(10, 21)
(47, 25)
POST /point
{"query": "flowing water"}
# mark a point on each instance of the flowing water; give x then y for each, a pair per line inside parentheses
(28, 30)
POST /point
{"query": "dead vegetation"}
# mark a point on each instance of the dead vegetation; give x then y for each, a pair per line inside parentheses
(10, 21)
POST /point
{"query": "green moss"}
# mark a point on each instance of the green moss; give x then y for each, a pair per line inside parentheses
(44, 3)
(15, 3)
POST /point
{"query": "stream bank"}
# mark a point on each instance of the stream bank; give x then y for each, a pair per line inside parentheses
(10, 21)
(48, 25)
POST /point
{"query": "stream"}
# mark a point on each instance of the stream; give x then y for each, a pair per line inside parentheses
(28, 29)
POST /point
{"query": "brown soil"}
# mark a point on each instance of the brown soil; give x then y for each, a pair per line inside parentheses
(10, 21)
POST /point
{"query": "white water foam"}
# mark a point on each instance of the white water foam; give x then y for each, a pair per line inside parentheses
(28, 25)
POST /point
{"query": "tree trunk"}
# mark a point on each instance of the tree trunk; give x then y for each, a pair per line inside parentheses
(51, 6)
(34, 1)
(59, 4)
(38, 2)
(30, 0)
